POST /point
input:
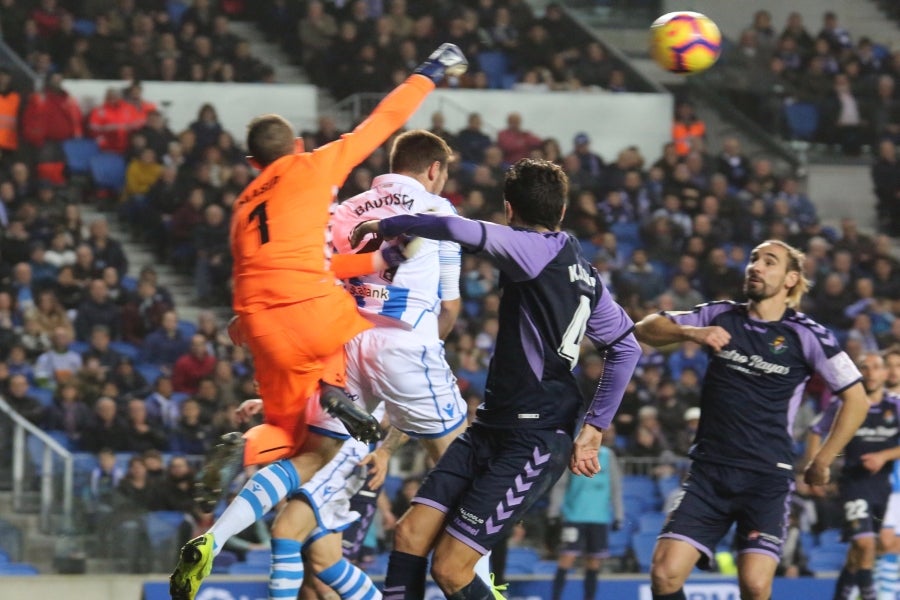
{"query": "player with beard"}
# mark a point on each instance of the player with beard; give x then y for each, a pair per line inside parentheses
(762, 352)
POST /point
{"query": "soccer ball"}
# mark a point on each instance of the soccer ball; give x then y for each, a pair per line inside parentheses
(685, 42)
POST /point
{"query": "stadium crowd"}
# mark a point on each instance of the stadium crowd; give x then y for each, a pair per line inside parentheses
(94, 350)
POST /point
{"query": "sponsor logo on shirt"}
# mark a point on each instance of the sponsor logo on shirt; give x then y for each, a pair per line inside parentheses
(368, 290)
(387, 200)
(753, 364)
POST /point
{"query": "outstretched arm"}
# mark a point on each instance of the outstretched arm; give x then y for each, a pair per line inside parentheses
(849, 417)
(658, 330)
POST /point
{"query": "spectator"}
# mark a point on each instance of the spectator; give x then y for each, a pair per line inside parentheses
(886, 179)
(49, 313)
(190, 368)
(190, 435)
(162, 409)
(166, 343)
(589, 162)
(57, 365)
(844, 122)
(515, 142)
(733, 164)
(642, 277)
(687, 127)
(134, 494)
(141, 174)
(471, 141)
(69, 414)
(177, 489)
(107, 250)
(207, 127)
(213, 255)
(98, 347)
(207, 398)
(10, 101)
(97, 309)
(112, 122)
(17, 397)
(594, 68)
(141, 436)
(685, 437)
(108, 430)
(129, 380)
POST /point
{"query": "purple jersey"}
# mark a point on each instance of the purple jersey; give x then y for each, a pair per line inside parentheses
(754, 385)
(880, 431)
(552, 297)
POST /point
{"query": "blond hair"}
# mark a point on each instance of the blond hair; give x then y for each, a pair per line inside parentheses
(796, 258)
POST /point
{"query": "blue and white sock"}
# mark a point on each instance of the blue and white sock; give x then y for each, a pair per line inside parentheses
(349, 582)
(286, 573)
(887, 576)
(265, 489)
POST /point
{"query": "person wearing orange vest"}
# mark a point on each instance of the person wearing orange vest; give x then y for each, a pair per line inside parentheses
(134, 96)
(112, 122)
(10, 101)
(687, 127)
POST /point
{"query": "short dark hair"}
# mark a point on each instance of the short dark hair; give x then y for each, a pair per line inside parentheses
(269, 137)
(416, 150)
(537, 191)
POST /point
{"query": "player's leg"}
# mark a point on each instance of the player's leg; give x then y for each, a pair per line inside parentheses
(858, 529)
(571, 546)
(295, 522)
(516, 467)
(597, 549)
(763, 506)
(887, 567)
(692, 531)
(336, 572)
(755, 574)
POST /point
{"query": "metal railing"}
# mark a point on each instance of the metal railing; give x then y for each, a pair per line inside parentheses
(52, 453)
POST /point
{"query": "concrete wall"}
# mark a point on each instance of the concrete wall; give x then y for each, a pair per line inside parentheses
(235, 103)
(613, 121)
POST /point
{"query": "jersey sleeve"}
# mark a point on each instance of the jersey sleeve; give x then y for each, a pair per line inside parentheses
(824, 355)
(339, 157)
(520, 254)
(702, 314)
(610, 329)
(822, 424)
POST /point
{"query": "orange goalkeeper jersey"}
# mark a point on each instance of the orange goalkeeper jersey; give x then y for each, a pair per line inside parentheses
(280, 221)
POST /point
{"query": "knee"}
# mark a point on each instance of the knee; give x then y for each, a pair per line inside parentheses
(449, 576)
(664, 577)
(756, 588)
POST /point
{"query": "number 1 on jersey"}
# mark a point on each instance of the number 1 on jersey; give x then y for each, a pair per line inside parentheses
(260, 213)
(570, 347)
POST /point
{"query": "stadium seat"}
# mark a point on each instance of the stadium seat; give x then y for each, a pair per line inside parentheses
(259, 557)
(42, 395)
(626, 232)
(830, 537)
(129, 283)
(651, 522)
(4, 557)
(61, 438)
(108, 171)
(802, 120)
(242, 568)
(223, 561)
(521, 561)
(126, 349)
(186, 329)
(544, 567)
(176, 10)
(150, 372)
(643, 544)
(667, 485)
(162, 525)
(78, 153)
(79, 347)
(17, 569)
(392, 485)
(639, 485)
(11, 541)
(379, 565)
(826, 559)
(84, 27)
(495, 65)
(619, 542)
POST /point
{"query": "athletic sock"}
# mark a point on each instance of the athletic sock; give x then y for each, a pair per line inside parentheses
(405, 579)
(265, 489)
(286, 573)
(559, 582)
(887, 575)
(679, 595)
(349, 582)
(844, 585)
(590, 584)
(866, 584)
(476, 590)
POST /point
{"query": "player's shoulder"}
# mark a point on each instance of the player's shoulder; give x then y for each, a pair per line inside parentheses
(713, 308)
(806, 326)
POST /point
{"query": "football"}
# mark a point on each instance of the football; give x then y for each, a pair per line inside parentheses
(685, 42)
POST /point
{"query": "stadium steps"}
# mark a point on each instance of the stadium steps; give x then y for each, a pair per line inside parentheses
(139, 255)
(269, 53)
(38, 547)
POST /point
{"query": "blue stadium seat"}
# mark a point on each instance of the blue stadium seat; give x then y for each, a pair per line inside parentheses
(259, 557)
(4, 557)
(544, 567)
(495, 65)
(521, 561)
(84, 27)
(379, 565)
(187, 329)
(150, 372)
(242, 568)
(176, 10)
(108, 171)
(626, 232)
(826, 559)
(126, 349)
(17, 569)
(667, 485)
(830, 537)
(79, 347)
(802, 120)
(639, 485)
(619, 542)
(78, 153)
(392, 485)
(12, 541)
(129, 283)
(651, 522)
(162, 526)
(643, 544)
(61, 438)
(42, 395)
(223, 561)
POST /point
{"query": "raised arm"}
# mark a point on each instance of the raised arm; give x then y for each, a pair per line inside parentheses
(664, 329)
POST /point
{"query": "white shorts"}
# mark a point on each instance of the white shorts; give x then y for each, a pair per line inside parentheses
(330, 489)
(892, 513)
(410, 373)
